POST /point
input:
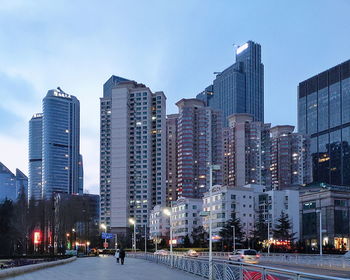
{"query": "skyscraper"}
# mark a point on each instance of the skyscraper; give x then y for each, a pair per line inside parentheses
(133, 152)
(199, 145)
(290, 158)
(60, 143)
(240, 87)
(12, 185)
(21, 183)
(324, 114)
(7, 184)
(105, 147)
(246, 151)
(171, 158)
(35, 157)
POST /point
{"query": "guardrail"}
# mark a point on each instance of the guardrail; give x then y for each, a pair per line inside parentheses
(224, 270)
(325, 261)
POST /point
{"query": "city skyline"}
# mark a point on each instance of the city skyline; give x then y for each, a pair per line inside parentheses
(38, 51)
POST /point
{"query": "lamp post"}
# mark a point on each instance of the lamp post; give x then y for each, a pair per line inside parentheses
(211, 169)
(103, 226)
(268, 234)
(133, 222)
(145, 239)
(320, 211)
(75, 238)
(234, 238)
(168, 212)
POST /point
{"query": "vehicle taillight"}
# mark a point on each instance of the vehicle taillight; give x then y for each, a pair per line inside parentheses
(258, 256)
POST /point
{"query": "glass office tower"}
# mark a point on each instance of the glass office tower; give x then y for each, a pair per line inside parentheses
(240, 87)
(35, 157)
(324, 114)
(60, 143)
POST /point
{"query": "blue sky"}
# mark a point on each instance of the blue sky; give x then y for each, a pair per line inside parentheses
(173, 46)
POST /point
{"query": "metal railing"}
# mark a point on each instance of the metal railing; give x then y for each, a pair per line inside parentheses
(224, 270)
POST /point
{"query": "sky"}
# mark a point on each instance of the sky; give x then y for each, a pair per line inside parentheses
(171, 46)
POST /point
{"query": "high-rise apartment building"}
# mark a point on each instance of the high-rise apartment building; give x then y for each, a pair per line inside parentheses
(133, 153)
(105, 148)
(290, 158)
(199, 146)
(171, 158)
(35, 157)
(324, 114)
(246, 151)
(240, 87)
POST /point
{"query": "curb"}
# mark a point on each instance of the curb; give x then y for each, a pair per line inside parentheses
(10, 272)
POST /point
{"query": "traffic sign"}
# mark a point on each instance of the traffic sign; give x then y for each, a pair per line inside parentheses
(105, 245)
(106, 235)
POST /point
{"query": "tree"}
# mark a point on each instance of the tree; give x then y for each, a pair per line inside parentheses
(283, 228)
(226, 232)
(6, 227)
(200, 237)
(260, 229)
(187, 242)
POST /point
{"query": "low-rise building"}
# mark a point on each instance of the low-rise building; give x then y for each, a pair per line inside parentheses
(185, 217)
(159, 223)
(333, 204)
(271, 205)
(232, 202)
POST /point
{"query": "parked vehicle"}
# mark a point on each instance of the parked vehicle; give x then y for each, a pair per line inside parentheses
(191, 253)
(162, 252)
(347, 255)
(244, 255)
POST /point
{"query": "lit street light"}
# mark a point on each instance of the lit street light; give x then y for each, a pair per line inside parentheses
(133, 222)
(211, 169)
(103, 226)
(168, 212)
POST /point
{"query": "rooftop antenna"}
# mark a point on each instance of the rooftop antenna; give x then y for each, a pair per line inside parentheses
(60, 90)
(235, 47)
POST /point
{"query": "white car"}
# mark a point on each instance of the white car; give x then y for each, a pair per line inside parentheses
(162, 252)
(191, 253)
(244, 255)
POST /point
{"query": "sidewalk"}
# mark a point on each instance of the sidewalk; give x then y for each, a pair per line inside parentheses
(96, 268)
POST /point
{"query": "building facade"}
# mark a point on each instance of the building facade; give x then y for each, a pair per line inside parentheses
(324, 114)
(171, 158)
(199, 145)
(7, 184)
(35, 190)
(232, 203)
(272, 203)
(21, 183)
(185, 217)
(333, 204)
(290, 159)
(246, 145)
(240, 87)
(159, 224)
(133, 153)
(60, 143)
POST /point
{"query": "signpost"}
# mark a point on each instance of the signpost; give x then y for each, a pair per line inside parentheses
(107, 235)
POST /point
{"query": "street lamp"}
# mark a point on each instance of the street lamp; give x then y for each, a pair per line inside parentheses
(168, 212)
(211, 169)
(103, 226)
(133, 222)
(320, 211)
(234, 238)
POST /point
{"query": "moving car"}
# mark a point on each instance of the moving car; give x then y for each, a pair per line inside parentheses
(162, 252)
(191, 253)
(244, 255)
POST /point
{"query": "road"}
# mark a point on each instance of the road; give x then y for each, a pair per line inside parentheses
(105, 268)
